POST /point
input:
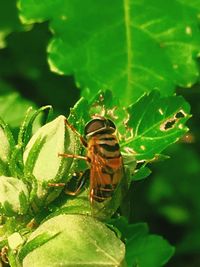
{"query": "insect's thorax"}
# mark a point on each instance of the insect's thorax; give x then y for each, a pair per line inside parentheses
(106, 147)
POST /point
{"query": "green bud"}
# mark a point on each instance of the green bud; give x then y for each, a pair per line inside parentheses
(6, 144)
(15, 240)
(41, 157)
(14, 196)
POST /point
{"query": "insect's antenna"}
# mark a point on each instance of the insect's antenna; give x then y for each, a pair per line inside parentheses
(76, 132)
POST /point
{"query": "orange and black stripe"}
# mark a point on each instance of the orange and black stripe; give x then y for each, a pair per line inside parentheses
(107, 148)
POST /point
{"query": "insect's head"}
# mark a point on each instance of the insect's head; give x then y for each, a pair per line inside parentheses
(99, 125)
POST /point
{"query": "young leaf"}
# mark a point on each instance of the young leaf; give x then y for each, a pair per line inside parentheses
(156, 123)
(26, 128)
(77, 241)
(145, 129)
(130, 45)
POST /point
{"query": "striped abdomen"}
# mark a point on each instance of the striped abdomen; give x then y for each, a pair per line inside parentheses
(106, 166)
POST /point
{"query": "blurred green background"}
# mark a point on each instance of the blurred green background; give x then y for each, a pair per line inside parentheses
(169, 200)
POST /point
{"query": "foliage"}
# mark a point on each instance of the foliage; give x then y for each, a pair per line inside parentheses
(133, 34)
(140, 51)
(37, 165)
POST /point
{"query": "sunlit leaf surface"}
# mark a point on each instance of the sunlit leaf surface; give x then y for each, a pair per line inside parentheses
(145, 128)
(128, 46)
(74, 240)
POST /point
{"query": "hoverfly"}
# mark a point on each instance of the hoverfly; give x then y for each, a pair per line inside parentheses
(104, 158)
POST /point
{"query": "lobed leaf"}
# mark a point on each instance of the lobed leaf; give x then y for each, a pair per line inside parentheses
(129, 46)
(155, 122)
(144, 129)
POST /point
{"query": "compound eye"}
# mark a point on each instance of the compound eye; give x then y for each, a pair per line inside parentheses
(93, 126)
(111, 124)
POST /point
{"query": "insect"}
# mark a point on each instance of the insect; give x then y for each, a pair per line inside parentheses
(103, 156)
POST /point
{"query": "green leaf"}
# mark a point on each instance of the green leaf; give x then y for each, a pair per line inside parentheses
(81, 204)
(103, 104)
(66, 204)
(142, 249)
(41, 239)
(79, 115)
(14, 196)
(156, 122)
(174, 194)
(31, 75)
(129, 231)
(9, 20)
(145, 129)
(151, 251)
(125, 45)
(78, 241)
(10, 98)
(26, 128)
(141, 173)
(7, 144)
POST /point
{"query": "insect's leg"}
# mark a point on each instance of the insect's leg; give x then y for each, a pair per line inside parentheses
(72, 156)
(82, 180)
(83, 141)
(83, 177)
(56, 184)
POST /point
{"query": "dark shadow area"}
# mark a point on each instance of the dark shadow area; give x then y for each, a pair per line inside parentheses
(24, 66)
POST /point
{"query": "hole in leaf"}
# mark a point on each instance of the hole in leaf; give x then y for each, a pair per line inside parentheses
(179, 115)
(167, 125)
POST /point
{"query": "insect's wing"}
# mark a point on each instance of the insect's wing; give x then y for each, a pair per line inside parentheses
(104, 203)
